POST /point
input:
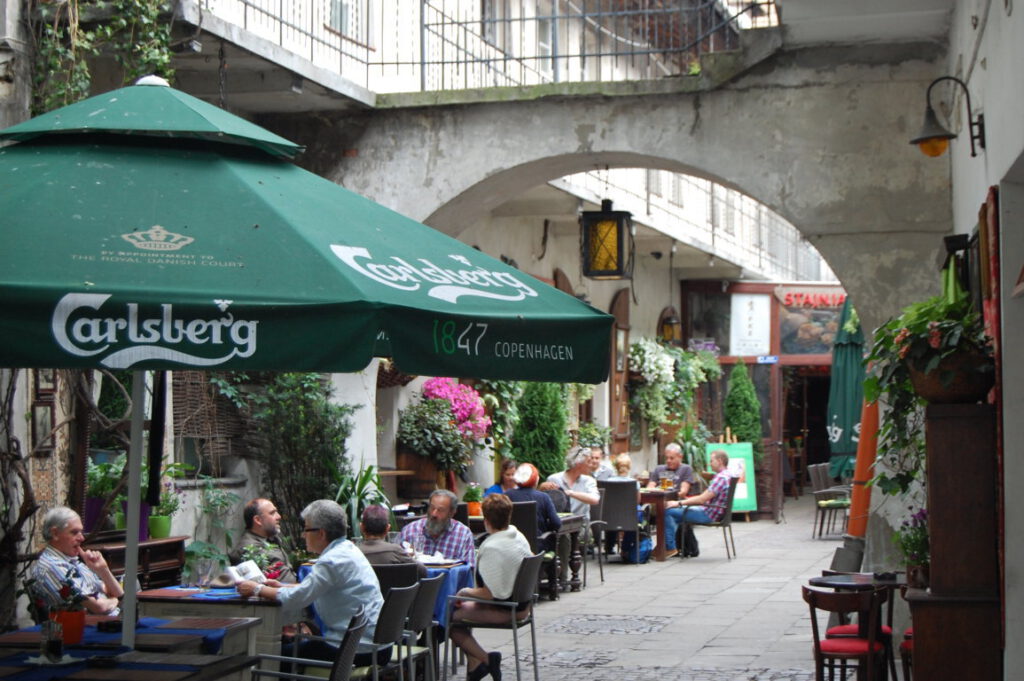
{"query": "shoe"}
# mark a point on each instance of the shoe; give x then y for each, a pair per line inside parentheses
(480, 672)
(494, 664)
(691, 554)
(671, 552)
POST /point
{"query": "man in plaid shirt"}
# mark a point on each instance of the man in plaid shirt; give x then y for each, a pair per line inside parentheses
(439, 532)
(709, 505)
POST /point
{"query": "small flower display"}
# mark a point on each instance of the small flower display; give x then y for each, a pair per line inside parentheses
(467, 406)
(912, 538)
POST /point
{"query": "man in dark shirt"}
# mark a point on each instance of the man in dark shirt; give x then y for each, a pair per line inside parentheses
(263, 531)
(375, 525)
(547, 519)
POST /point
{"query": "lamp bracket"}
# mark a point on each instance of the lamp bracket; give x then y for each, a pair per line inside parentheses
(975, 125)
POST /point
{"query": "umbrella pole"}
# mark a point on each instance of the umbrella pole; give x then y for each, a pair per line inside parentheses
(133, 511)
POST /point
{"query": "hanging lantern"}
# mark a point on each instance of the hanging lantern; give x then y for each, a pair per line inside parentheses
(606, 242)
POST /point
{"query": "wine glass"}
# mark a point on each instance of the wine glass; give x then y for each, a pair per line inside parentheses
(204, 573)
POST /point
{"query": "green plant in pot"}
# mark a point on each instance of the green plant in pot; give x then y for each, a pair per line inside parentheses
(938, 346)
(473, 496)
(911, 538)
(934, 351)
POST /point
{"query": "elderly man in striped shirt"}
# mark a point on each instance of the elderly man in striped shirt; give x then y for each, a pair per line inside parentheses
(439, 532)
(64, 566)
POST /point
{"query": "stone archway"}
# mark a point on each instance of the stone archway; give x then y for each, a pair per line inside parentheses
(818, 136)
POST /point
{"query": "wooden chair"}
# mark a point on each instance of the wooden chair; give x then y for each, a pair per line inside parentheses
(524, 590)
(340, 669)
(421, 622)
(395, 574)
(866, 647)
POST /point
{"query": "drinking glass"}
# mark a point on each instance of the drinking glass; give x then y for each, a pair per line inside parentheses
(204, 572)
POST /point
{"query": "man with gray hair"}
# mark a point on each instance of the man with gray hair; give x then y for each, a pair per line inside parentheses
(576, 483)
(439, 532)
(340, 582)
(64, 562)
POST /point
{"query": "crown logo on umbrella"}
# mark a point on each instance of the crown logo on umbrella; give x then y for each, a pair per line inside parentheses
(157, 239)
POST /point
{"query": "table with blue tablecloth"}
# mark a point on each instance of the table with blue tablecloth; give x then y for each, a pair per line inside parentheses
(83, 665)
(190, 634)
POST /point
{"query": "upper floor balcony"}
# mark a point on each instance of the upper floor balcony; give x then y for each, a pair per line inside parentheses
(272, 55)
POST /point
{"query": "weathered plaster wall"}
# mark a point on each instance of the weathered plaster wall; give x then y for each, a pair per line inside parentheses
(14, 65)
(818, 135)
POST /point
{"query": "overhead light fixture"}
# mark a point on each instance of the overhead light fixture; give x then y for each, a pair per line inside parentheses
(606, 243)
(933, 140)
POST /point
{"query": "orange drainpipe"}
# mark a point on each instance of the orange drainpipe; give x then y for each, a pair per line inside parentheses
(860, 497)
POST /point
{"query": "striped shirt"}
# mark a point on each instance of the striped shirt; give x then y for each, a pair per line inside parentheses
(54, 569)
(720, 487)
(455, 543)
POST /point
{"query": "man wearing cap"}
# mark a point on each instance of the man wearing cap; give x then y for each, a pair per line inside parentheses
(526, 477)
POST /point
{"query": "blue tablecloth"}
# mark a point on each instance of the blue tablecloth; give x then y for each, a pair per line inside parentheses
(458, 577)
(47, 672)
(212, 638)
(218, 594)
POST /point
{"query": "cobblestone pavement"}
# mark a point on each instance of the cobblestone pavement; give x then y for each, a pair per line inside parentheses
(699, 619)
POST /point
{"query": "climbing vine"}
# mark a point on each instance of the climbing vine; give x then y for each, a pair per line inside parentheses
(68, 34)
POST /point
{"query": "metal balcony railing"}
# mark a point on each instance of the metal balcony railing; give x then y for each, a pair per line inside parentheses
(405, 45)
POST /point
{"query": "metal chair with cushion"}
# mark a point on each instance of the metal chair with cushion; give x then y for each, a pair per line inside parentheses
(829, 499)
(421, 622)
(390, 631)
(619, 511)
(340, 669)
(391, 575)
(524, 591)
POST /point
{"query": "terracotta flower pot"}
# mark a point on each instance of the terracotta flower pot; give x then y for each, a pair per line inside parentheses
(474, 508)
(960, 378)
(72, 624)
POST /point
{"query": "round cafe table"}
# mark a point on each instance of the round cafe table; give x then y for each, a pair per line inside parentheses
(860, 581)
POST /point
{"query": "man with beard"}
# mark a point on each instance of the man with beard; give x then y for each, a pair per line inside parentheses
(439, 532)
(263, 530)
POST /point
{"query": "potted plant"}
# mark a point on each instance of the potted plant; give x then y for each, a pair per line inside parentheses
(101, 478)
(937, 346)
(934, 351)
(443, 427)
(473, 496)
(161, 514)
(912, 540)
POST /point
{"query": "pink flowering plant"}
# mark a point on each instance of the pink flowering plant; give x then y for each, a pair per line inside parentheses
(912, 538)
(466, 405)
(445, 424)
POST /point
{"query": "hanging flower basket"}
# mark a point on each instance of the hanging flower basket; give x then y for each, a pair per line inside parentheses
(959, 378)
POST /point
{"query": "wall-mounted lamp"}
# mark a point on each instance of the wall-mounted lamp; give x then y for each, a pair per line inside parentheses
(934, 138)
(606, 243)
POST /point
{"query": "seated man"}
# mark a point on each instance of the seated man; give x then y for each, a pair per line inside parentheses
(340, 582)
(681, 478)
(547, 519)
(581, 489)
(440, 532)
(501, 554)
(64, 562)
(375, 526)
(600, 467)
(706, 507)
(263, 530)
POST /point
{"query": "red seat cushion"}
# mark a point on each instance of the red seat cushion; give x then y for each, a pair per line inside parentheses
(907, 646)
(909, 633)
(852, 630)
(848, 646)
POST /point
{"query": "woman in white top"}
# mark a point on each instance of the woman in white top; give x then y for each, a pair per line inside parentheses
(497, 562)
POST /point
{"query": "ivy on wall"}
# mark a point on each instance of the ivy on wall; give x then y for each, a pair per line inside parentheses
(70, 36)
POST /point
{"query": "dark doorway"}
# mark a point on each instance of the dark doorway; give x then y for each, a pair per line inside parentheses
(805, 405)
